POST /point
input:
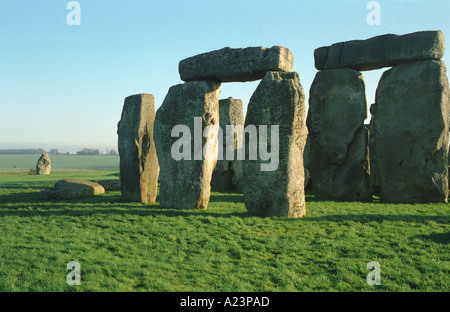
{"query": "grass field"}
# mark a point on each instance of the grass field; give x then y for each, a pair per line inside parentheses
(26, 162)
(140, 247)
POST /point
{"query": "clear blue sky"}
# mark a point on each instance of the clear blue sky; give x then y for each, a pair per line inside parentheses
(63, 86)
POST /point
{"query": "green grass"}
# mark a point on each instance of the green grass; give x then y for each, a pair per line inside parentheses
(87, 162)
(140, 247)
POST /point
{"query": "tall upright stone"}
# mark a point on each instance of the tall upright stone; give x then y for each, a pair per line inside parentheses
(44, 165)
(227, 175)
(412, 133)
(139, 168)
(273, 172)
(338, 138)
(186, 170)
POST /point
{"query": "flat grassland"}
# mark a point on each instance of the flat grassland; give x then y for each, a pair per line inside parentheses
(125, 246)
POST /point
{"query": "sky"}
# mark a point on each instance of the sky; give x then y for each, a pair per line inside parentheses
(63, 86)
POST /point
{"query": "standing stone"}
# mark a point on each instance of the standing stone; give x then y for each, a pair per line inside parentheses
(338, 138)
(185, 182)
(412, 133)
(381, 51)
(227, 64)
(227, 175)
(279, 101)
(374, 175)
(44, 165)
(139, 166)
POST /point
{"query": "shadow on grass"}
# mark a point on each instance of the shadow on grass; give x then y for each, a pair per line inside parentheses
(368, 218)
(108, 197)
(111, 203)
(65, 209)
(23, 186)
(25, 204)
(27, 198)
(441, 238)
(71, 208)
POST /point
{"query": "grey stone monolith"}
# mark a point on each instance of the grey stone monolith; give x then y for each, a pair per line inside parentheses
(186, 127)
(44, 165)
(139, 168)
(412, 111)
(273, 172)
(338, 139)
(227, 175)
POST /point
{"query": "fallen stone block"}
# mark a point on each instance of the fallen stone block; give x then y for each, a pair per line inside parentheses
(72, 189)
(109, 185)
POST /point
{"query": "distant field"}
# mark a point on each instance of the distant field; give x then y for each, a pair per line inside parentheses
(14, 163)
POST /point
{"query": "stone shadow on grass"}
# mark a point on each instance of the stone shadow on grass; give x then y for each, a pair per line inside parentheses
(368, 218)
(22, 186)
(33, 198)
(65, 209)
(441, 238)
(113, 204)
(110, 203)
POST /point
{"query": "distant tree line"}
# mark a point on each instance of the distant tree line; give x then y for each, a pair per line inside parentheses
(91, 151)
(22, 151)
(55, 151)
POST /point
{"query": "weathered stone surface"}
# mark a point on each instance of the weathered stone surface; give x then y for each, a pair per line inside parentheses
(227, 175)
(44, 165)
(186, 183)
(227, 64)
(109, 185)
(72, 189)
(412, 133)
(338, 138)
(139, 166)
(279, 100)
(306, 164)
(381, 51)
(374, 175)
(307, 178)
